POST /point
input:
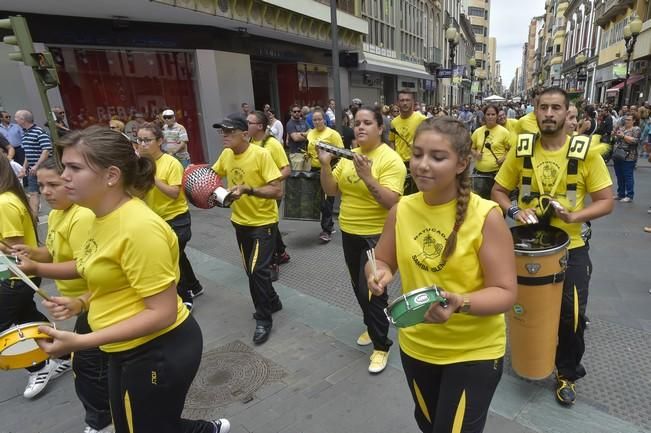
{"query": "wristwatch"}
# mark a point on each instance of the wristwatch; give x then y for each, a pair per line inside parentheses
(465, 307)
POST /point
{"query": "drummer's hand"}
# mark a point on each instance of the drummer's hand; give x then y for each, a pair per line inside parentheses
(527, 216)
(362, 166)
(238, 191)
(378, 283)
(28, 266)
(62, 342)
(437, 313)
(22, 250)
(564, 214)
(62, 307)
(324, 157)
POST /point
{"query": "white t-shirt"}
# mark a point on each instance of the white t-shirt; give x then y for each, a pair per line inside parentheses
(18, 169)
(277, 130)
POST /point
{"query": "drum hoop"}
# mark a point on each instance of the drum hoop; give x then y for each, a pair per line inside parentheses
(410, 294)
(18, 329)
(545, 252)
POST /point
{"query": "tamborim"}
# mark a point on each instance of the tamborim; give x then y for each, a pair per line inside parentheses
(337, 151)
(18, 348)
(410, 308)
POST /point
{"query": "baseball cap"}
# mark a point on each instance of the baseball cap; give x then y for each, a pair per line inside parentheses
(168, 113)
(357, 101)
(233, 121)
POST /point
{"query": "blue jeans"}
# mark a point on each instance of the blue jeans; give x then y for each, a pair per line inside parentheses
(625, 180)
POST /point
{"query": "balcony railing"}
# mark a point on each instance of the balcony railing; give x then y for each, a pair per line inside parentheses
(434, 55)
(605, 12)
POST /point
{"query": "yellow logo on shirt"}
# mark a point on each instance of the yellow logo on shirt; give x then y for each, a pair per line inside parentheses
(431, 241)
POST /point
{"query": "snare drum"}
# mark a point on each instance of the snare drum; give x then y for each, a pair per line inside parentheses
(18, 348)
(303, 196)
(541, 259)
(410, 308)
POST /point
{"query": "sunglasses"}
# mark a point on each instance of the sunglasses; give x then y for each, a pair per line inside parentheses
(168, 117)
(296, 111)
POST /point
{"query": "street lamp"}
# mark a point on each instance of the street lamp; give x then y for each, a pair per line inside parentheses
(452, 36)
(631, 31)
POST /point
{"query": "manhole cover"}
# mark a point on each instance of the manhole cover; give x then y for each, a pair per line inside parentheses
(230, 373)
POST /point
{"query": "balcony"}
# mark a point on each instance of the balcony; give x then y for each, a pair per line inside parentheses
(606, 12)
(434, 55)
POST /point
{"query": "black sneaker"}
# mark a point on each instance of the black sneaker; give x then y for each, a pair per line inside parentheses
(196, 293)
(325, 237)
(565, 391)
(189, 306)
(221, 425)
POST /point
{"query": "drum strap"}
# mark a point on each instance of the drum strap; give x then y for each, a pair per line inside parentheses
(541, 281)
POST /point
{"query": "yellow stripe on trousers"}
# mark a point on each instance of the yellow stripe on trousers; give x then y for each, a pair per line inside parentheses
(461, 412)
(254, 259)
(127, 411)
(421, 401)
(576, 310)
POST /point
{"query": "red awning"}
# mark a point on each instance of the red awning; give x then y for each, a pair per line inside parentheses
(631, 80)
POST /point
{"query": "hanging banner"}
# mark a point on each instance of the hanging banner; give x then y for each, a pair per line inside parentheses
(457, 74)
(475, 87)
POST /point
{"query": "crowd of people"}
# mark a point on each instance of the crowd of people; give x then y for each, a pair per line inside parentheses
(422, 193)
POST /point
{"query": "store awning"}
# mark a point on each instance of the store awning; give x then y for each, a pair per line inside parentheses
(374, 63)
(631, 80)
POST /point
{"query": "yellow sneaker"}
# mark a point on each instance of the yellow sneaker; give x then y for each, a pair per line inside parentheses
(364, 339)
(379, 361)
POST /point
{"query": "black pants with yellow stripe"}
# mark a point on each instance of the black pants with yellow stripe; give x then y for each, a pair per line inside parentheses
(571, 345)
(452, 398)
(148, 384)
(256, 245)
(377, 324)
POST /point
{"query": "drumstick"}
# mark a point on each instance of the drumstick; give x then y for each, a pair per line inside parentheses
(371, 259)
(20, 274)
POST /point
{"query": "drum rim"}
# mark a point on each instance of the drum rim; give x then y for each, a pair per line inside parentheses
(13, 329)
(410, 294)
(543, 252)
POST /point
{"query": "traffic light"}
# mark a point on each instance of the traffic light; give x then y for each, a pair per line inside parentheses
(20, 38)
(45, 69)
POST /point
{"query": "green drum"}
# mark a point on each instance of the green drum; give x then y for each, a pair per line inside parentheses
(303, 196)
(410, 308)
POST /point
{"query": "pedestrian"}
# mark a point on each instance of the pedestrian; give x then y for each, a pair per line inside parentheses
(445, 235)
(275, 125)
(567, 178)
(369, 185)
(175, 138)
(323, 134)
(296, 131)
(14, 135)
(130, 264)
(254, 186)
(37, 146)
(67, 231)
(17, 227)
(627, 140)
(262, 135)
(167, 199)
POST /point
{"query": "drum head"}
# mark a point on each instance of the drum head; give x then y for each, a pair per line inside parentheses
(538, 237)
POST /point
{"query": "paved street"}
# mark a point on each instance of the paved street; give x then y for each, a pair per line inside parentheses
(311, 377)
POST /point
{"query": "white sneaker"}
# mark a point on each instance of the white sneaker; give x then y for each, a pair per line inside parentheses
(62, 366)
(37, 380)
(222, 425)
(379, 359)
(107, 429)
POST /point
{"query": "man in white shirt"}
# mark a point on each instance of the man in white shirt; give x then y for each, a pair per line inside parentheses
(175, 138)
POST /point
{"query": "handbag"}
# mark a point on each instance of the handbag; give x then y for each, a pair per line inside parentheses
(619, 154)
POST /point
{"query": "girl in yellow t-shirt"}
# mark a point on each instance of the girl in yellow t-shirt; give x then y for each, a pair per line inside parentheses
(68, 226)
(167, 199)
(490, 144)
(370, 185)
(326, 135)
(17, 298)
(130, 264)
(448, 236)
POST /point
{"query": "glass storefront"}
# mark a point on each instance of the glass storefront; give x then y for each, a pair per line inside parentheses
(98, 85)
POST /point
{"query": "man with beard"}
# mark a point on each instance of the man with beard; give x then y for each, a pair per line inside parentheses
(552, 166)
(402, 132)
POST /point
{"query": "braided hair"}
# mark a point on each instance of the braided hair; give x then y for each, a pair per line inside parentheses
(459, 137)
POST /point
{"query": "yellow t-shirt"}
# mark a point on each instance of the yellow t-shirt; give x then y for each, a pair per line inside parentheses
(255, 168)
(500, 143)
(170, 171)
(329, 136)
(592, 176)
(512, 125)
(130, 254)
(276, 150)
(421, 232)
(67, 231)
(407, 130)
(15, 220)
(527, 124)
(360, 213)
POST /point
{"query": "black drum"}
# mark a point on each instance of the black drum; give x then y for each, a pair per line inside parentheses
(303, 196)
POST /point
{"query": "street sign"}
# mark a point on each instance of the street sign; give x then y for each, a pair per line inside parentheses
(444, 73)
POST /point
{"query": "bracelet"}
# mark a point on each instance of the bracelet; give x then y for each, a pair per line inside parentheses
(252, 191)
(84, 306)
(513, 211)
